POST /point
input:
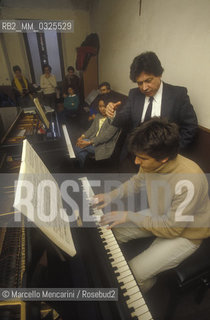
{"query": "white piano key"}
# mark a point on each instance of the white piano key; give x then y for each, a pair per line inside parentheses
(131, 291)
(104, 236)
(121, 263)
(116, 255)
(138, 303)
(145, 316)
(134, 297)
(129, 285)
(107, 236)
(140, 311)
(119, 259)
(122, 268)
(114, 250)
(104, 230)
(109, 246)
(110, 242)
(123, 275)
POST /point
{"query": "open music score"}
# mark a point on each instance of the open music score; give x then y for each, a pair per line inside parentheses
(33, 172)
(41, 113)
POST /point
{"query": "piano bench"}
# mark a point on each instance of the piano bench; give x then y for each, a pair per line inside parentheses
(192, 274)
(100, 166)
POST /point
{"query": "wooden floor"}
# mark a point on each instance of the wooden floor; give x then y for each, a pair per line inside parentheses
(158, 298)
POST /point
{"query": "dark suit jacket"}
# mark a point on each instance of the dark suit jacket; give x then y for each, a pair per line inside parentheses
(104, 143)
(176, 107)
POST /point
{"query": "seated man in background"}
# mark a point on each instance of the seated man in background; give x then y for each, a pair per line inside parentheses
(100, 139)
(104, 87)
(72, 80)
(48, 84)
(23, 89)
(179, 206)
(152, 98)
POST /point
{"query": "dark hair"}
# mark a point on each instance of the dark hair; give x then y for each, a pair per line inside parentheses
(72, 87)
(157, 138)
(104, 97)
(46, 66)
(107, 84)
(16, 68)
(70, 68)
(147, 62)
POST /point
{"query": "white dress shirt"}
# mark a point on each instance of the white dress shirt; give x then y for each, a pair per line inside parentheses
(156, 104)
(48, 85)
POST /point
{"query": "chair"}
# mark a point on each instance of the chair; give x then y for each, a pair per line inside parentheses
(9, 93)
(192, 274)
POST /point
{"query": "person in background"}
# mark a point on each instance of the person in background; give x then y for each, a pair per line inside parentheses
(71, 79)
(5, 100)
(153, 97)
(104, 88)
(178, 217)
(71, 102)
(48, 85)
(100, 139)
(23, 89)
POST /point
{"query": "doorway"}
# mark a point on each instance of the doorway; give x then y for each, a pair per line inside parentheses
(44, 48)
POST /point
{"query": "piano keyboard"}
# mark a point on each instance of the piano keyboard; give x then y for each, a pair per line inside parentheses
(68, 142)
(127, 284)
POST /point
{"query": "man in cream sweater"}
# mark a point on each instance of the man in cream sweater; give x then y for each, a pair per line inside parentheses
(179, 206)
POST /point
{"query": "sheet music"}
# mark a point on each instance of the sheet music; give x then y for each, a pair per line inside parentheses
(41, 113)
(68, 142)
(34, 172)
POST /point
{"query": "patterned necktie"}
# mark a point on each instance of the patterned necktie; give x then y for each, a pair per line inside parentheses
(149, 109)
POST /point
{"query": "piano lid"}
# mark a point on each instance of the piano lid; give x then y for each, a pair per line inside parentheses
(8, 118)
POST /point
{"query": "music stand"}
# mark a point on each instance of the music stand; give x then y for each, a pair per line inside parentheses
(41, 113)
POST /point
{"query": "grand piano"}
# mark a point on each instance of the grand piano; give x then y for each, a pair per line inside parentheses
(28, 258)
(49, 138)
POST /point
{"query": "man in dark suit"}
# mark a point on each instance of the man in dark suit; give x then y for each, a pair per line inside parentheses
(155, 98)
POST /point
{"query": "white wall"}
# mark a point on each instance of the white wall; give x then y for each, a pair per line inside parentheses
(177, 30)
(5, 73)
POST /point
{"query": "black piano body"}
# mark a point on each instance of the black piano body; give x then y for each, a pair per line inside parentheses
(49, 143)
